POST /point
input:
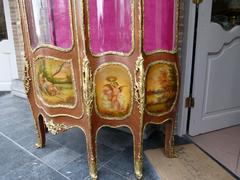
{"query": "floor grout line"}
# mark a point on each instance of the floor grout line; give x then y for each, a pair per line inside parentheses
(120, 151)
(112, 157)
(21, 147)
(103, 165)
(71, 161)
(116, 172)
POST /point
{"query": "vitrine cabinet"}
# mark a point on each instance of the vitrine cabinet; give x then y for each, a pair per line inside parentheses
(97, 63)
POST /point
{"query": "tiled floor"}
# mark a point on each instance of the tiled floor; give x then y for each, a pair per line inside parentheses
(64, 156)
(224, 146)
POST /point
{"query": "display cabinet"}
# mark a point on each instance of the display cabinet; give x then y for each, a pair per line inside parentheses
(97, 63)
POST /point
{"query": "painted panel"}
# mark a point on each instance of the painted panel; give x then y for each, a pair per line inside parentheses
(55, 85)
(110, 26)
(160, 24)
(49, 23)
(161, 87)
(113, 88)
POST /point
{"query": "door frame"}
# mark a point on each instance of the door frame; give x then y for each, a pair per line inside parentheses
(13, 63)
(186, 66)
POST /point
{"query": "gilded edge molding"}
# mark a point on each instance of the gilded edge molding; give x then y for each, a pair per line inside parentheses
(27, 77)
(139, 84)
(140, 99)
(87, 87)
(56, 128)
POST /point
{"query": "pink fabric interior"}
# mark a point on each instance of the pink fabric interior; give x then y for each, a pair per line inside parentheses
(110, 26)
(60, 23)
(159, 25)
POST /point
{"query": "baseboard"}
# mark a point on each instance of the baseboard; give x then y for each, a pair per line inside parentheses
(18, 88)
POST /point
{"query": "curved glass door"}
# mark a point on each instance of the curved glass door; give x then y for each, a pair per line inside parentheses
(49, 23)
(160, 26)
(110, 26)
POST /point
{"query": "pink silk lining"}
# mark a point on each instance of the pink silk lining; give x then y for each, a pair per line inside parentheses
(60, 23)
(159, 25)
(110, 26)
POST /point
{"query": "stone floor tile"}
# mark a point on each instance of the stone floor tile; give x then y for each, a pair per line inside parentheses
(77, 169)
(3, 140)
(12, 156)
(19, 132)
(105, 154)
(106, 173)
(148, 171)
(32, 171)
(73, 139)
(59, 158)
(52, 176)
(114, 138)
(65, 152)
(123, 163)
(29, 142)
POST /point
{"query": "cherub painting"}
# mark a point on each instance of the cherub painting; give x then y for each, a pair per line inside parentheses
(113, 91)
(112, 95)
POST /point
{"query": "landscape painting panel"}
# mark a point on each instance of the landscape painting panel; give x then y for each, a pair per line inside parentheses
(161, 87)
(54, 82)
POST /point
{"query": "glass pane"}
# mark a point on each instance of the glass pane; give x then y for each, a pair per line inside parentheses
(159, 25)
(49, 22)
(3, 28)
(226, 13)
(110, 26)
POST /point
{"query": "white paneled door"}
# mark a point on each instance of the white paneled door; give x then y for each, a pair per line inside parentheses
(8, 69)
(216, 85)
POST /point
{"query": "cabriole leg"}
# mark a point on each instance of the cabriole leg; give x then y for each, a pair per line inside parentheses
(40, 127)
(138, 155)
(91, 150)
(169, 139)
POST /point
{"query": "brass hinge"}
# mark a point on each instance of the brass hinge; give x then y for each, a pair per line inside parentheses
(197, 1)
(189, 102)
